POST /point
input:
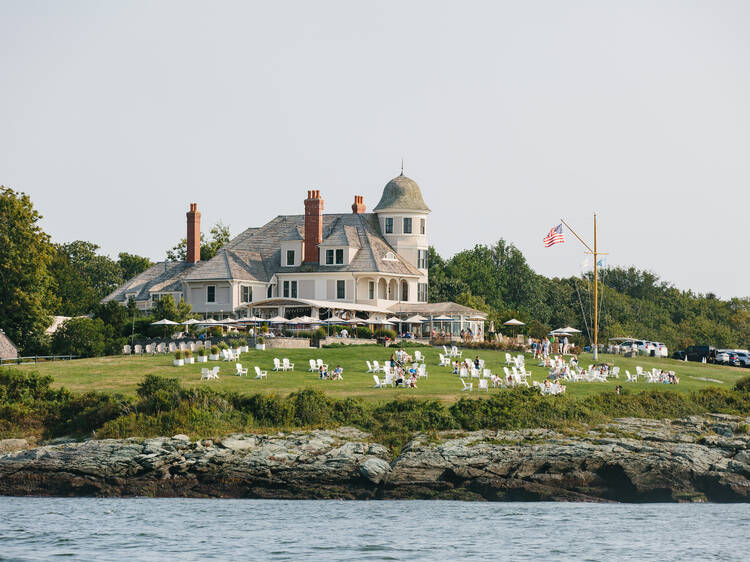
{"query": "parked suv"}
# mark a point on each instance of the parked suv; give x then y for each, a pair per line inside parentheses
(660, 349)
(743, 359)
(701, 352)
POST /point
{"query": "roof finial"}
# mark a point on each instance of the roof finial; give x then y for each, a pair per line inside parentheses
(402, 166)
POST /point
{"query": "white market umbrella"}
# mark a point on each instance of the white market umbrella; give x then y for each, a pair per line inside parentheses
(571, 330)
(334, 320)
(514, 322)
(164, 322)
(191, 322)
(416, 319)
(278, 320)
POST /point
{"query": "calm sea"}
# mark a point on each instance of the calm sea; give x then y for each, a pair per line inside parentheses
(189, 529)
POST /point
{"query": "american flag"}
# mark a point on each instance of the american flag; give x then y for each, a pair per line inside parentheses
(555, 236)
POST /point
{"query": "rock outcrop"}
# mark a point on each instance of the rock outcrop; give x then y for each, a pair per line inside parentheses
(632, 460)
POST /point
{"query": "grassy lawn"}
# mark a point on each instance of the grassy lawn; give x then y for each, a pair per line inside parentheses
(123, 373)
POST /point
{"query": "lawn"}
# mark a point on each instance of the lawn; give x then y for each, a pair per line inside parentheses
(123, 373)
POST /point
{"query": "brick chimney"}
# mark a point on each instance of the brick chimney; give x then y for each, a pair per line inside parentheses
(359, 205)
(193, 234)
(313, 226)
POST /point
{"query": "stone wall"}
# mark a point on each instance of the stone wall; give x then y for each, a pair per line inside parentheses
(286, 343)
(348, 341)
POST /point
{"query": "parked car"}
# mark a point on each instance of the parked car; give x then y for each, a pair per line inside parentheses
(743, 359)
(660, 349)
(722, 357)
(679, 355)
(700, 353)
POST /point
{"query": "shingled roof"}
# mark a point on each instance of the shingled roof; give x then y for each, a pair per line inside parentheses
(164, 277)
(402, 194)
(255, 254)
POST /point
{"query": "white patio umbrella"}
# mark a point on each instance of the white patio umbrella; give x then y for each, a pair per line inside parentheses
(394, 320)
(334, 320)
(164, 322)
(514, 322)
(191, 322)
(416, 319)
(571, 330)
(278, 320)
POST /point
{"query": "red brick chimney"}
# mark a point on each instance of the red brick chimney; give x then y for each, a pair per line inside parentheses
(313, 226)
(359, 205)
(193, 234)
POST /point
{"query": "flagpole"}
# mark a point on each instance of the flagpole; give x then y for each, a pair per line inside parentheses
(596, 297)
(596, 255)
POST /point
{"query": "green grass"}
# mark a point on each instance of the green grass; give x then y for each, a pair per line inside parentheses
(123, 373)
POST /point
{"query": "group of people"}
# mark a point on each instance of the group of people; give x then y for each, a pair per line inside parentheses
(334, 375)
(543, 348)
(404, 372)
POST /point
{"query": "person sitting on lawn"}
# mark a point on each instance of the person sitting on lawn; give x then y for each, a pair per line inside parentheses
(322, 372)
(399, 377)
(456, 367)
(336, 375)
(413, 380)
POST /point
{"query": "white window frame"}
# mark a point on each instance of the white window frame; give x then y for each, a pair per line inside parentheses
(293, 256)
(386, 222)
(410, 223)
(249, 290)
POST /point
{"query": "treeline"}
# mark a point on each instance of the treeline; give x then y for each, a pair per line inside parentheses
(498, 280)
(30, 406)
(40, 279)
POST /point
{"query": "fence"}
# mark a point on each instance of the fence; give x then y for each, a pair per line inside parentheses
(36, 359)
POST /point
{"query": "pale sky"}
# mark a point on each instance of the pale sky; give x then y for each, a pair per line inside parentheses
(114, 116)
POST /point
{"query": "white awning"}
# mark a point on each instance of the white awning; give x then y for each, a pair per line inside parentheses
(285, 301)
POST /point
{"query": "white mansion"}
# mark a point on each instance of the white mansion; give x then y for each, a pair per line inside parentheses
(372, 265)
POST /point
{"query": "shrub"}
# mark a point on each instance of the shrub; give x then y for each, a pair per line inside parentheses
(364, 332)
(201, 352)
(260, 340)
(214, 350)
(223, 345)
(385, 333)
(743, 385)
(158, 393)
(179, 355)
(215, 331)
(188, 353)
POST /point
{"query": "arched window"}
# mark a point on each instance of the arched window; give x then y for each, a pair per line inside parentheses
(404, 291)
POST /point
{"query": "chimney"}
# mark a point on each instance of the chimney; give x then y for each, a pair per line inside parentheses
(313, 226)
(193, 234)
(359, 205)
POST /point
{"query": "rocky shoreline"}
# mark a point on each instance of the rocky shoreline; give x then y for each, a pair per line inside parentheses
(700, 458)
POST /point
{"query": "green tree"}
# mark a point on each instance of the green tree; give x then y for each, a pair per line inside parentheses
(82, 277)
(85, 337)
(165, 307)
(25, 254)
(131, 265)
(219, 237)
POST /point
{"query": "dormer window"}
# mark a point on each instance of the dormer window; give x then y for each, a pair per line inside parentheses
(335, 256)
(389, 256)
(290, 257)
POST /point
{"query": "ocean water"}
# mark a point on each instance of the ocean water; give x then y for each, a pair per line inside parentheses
(196, 529)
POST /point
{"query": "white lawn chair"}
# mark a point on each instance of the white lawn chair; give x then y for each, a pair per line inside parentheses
(161, 348)
(508, 359)
(149, 348)
(387, 370)
(260, 374)
(487, 374)
(376, 367)
(484, 385)
(418, 356)
(474, 373)
(172, 347)
(455, 352)
(240, 370)
(378, 384)
(447, 353)
(468, 387)
(287, 365)
(370, 368)
(182, 346)
(444, 361)
(277, 364)
(215, 373)
(463, 373)
(321, 364)
(138, 349)
(313, 366)
(422, 371)
(205, 374)
(126, 350)
(616, 372)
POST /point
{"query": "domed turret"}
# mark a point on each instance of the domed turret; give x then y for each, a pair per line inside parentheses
(402, 194)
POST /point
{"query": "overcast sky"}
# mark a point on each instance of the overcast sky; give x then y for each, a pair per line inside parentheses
(114, 116)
